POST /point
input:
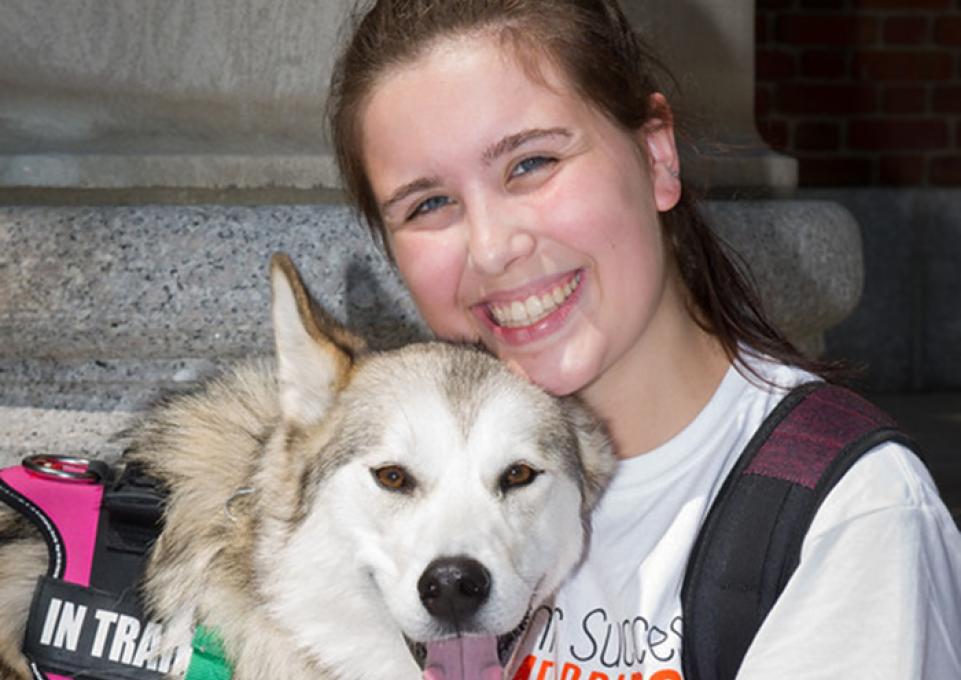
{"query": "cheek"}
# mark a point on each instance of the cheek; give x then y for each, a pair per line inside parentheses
(432, 266)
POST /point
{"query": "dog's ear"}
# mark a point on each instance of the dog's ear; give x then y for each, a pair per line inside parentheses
(596, 448)
(314, 353)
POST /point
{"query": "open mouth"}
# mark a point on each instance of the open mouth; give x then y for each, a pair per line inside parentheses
(467, 656)
(535, 308)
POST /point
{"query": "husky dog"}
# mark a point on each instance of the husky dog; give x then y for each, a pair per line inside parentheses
(421, 501)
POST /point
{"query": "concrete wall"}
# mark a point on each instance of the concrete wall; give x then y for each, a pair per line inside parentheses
(176, 93)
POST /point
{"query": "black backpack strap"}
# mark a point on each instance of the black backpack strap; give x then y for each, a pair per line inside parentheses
(750, 543)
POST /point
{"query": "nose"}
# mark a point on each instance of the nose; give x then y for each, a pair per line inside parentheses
(452, 589)
(498, 237)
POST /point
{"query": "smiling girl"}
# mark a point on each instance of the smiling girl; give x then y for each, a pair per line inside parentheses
(517, 160)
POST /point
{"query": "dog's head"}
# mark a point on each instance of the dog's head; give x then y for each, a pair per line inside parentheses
(453, 491)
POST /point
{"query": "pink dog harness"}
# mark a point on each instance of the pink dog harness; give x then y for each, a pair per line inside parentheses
(86, 619)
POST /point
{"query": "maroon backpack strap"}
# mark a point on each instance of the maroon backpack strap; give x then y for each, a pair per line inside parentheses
(750, 543)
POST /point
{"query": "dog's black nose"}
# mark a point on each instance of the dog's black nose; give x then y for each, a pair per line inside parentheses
(453, 588)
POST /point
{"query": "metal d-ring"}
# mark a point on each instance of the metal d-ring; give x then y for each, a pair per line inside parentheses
(65, 468)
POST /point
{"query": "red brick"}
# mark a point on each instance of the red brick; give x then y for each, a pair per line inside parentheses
(946, 99)
(817, 136)
(947, 30)
(824, 64)
(826, 29)
(907, 99)
(774, 132)
(905, 30)
(901, 170)
(833, 171)
(762, 102)
(919, 133)
(902, 65)
(826, 99)
(774, 65)
(761, 32)
(945, 171)
(904, 4)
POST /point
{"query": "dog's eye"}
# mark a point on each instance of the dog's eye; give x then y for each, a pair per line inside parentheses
(393, 478)
(518, 474)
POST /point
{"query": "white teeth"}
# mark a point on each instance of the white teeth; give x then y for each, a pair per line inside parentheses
(534, 308)
(518, 312)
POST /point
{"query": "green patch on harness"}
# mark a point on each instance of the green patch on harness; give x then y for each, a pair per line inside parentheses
(208, 661)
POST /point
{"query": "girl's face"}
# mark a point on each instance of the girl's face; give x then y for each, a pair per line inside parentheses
(521, 216)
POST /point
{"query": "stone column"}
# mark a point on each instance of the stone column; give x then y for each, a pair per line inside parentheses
(708, 45)
(804, 255)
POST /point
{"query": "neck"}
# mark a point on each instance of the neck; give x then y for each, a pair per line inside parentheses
(660, 385)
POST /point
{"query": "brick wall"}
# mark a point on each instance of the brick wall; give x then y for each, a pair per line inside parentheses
(862, 92)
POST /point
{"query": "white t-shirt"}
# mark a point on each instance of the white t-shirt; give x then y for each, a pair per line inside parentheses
(877, 593)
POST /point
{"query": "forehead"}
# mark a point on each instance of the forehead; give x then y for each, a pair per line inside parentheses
(474, 85)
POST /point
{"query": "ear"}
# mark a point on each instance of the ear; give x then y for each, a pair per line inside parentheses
(596, 448)
(657, 136)
(314, 353)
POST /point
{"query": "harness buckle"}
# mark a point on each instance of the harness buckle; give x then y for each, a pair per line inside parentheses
(66, 468)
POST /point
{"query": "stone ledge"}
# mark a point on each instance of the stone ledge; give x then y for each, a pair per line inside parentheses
(35, 430)
(166, 282)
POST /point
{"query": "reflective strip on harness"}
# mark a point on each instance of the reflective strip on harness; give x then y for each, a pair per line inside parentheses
(66, 514)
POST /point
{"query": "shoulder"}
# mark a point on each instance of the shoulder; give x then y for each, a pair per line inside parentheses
(877, 591)
(889, 480)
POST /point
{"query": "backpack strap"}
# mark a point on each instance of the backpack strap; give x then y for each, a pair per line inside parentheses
(750, 543)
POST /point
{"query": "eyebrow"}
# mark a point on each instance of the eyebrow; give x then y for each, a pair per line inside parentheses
(504, 146)
(420, 184)
(512, 142)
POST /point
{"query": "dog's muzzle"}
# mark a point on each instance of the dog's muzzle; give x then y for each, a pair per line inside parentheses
(453, 589)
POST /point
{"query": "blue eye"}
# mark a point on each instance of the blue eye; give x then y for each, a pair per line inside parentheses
(429, 205)
(530, 164)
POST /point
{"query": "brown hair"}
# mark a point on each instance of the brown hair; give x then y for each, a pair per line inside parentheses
(594, 45)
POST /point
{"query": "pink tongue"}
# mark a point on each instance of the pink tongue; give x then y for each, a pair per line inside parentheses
(463, 658)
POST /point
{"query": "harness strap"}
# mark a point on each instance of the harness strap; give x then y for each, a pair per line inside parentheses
(131, 520)
(87, 616)
(750, 543)
(66, 515)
